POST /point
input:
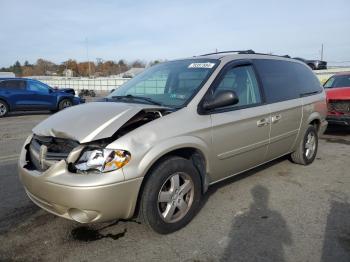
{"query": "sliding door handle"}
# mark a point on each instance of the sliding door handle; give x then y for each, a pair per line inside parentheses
(275, 118)
(262, 122)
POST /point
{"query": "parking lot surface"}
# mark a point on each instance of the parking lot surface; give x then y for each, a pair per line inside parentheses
(277, 212)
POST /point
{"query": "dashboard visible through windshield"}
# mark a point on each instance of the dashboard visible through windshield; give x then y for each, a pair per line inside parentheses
(170, 84)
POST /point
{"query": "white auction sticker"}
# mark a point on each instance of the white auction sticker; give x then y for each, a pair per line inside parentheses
(201, 65)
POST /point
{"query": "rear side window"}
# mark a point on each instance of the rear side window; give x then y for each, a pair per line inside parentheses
(13, 84)
(284, 80)
(308, 82)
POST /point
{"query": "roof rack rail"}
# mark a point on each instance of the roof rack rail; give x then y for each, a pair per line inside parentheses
(286, 56)
(249, 51)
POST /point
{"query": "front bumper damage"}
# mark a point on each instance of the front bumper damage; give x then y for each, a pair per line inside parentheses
(83, 198)
(339, 112)
(342, 120)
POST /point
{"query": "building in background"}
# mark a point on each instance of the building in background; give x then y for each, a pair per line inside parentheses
(68, 73)
(132, 72)
(7, 74)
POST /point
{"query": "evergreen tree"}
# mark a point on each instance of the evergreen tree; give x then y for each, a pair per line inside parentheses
(17, 68)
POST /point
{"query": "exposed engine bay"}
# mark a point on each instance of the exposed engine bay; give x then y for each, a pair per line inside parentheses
(44, 151)
(140, 119)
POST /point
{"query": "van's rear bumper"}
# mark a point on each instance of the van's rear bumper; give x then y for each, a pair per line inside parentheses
(323, 127)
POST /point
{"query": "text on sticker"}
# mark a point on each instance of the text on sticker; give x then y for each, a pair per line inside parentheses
(201, 65)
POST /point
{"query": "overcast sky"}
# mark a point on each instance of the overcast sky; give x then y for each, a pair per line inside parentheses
(148, 30)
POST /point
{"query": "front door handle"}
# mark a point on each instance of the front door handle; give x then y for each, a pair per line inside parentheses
(275, 118)
(262, 122)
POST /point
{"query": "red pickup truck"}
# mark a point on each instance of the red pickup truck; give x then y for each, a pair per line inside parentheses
(338, 97)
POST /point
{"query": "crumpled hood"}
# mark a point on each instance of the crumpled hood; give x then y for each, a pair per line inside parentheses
(89, 122)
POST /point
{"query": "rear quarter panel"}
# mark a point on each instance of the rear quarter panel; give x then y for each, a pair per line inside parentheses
(314, 108)
(11, 97)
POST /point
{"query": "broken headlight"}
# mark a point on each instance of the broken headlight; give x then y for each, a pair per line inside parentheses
(102, 160)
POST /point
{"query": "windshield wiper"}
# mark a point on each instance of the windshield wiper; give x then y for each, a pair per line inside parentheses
(138, 97)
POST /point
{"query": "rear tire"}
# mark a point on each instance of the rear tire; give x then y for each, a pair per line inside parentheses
(307, 149)
(64, 104)
(4, 108)
(171, 195)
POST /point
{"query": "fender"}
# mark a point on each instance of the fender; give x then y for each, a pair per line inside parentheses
(313, 116)
(161, 149)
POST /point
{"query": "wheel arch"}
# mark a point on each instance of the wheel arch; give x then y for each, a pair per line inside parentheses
(192, 153)
(316, 123)
(7, 103)
(315, 120)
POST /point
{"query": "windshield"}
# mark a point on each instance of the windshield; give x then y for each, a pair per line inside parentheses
(338, 81)
(170, 84)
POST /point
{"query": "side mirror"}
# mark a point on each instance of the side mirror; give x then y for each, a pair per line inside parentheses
(221, 99)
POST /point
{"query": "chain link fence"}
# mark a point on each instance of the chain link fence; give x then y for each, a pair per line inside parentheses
(99, 85)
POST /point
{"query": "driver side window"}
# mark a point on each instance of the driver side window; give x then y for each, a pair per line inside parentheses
(243, 82)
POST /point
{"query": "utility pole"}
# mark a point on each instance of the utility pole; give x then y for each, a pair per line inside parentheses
(87, 55)
(322, 52)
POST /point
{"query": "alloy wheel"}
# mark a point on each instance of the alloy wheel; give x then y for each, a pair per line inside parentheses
(3, 109)
(175, 197)
(66, 104)
(310, 145)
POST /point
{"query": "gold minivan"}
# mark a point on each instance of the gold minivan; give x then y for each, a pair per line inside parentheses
(153, 146)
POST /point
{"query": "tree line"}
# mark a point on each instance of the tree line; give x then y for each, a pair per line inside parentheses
(44, 67)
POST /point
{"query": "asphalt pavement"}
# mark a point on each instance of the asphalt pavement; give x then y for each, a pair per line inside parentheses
(277, 212)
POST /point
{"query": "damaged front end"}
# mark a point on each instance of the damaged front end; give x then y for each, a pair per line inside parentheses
(90, 157)
(43, 152)
(339, 112)
(62, 163)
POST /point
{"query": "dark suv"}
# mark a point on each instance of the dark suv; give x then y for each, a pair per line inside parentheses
(17, 94)
(313, 64)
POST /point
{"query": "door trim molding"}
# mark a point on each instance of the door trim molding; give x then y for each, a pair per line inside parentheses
(242, 150)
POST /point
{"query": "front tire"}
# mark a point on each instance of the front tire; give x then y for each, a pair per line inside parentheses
(171, 195)
(4, 108)
(307, 150)
(64, 104)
